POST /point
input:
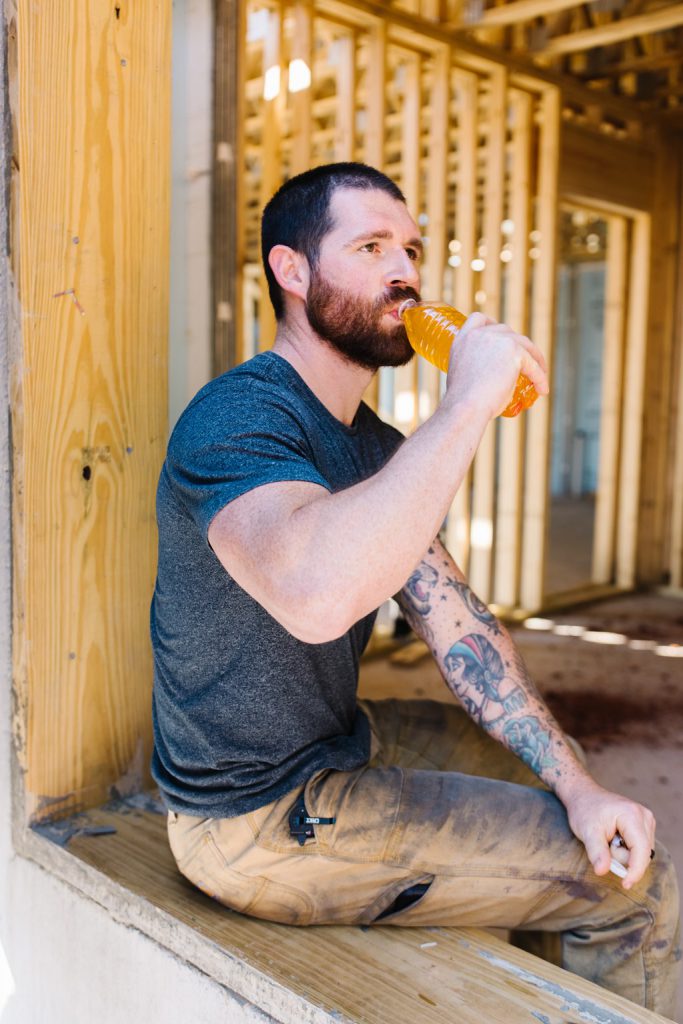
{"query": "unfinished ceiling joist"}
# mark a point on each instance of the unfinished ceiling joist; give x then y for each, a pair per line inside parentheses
(613, 32)
(511, 14)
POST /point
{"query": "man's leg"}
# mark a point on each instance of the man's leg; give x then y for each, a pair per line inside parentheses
(493, 853)
(427, 734)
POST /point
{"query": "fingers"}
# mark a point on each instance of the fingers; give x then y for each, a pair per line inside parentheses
(598, 851)
(639, 837)
(531, 361)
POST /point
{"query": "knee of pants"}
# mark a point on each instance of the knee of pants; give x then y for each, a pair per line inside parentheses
(662, 884)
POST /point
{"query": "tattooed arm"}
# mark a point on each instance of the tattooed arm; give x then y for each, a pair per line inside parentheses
(484, 670)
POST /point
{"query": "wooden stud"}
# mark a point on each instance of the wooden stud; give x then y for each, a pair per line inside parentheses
(227, 186)
(542, 333)
(345, 122)
(406, 377)
(271, 133)
(409, 30)
(511, 431)
(436, 204)
(375, 112)
(465, 231)
(91, 109)
(610, 402)
(658, 457)
(632, 409)
(483, 494)
(675, 556)
(301, 49)
(376, 73)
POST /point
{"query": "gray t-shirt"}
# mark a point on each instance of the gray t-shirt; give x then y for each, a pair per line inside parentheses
(243, 711)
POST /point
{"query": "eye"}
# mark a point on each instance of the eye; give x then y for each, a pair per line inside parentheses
(370, 247)
(413, 254)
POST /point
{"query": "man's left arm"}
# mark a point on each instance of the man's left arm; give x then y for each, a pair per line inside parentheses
(485, 671)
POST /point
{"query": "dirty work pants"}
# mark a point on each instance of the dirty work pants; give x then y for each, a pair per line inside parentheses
(441, 803)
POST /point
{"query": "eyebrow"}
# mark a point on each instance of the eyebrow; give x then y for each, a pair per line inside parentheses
(368, 236)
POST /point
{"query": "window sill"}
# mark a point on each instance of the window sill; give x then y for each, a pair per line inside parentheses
(319, 975)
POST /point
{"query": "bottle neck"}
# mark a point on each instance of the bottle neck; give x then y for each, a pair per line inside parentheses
(405, 305)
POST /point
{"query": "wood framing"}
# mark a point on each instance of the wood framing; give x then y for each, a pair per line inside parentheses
(614, 32)
(542, 331)
(610, 420)
(476, 137)
(511, 431)
(484, 479)
(227, 192)
(90, 202)
(632, 414)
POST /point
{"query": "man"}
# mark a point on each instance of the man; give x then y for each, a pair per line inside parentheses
(287, 514)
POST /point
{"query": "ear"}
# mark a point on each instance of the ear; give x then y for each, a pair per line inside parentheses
(290, 269)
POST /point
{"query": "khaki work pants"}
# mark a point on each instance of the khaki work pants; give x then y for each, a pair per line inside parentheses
(443, 804)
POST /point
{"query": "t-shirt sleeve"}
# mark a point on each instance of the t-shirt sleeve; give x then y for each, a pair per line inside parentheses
(228, 443)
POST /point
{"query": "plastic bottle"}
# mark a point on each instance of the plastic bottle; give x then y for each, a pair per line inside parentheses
(432, 327)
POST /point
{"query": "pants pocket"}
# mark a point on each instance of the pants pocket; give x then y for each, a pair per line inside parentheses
(255, 895)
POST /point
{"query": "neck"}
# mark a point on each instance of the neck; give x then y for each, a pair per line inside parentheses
(336, 382)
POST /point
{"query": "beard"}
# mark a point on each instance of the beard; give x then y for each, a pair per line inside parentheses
(353, 327)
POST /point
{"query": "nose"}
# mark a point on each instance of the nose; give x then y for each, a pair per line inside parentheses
(403, 270)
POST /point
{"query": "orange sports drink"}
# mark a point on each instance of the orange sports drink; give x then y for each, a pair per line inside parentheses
(432, 327)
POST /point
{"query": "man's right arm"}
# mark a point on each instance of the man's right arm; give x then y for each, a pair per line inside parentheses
(318, 562)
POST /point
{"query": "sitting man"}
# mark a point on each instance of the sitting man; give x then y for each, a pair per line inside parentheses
(288, 512)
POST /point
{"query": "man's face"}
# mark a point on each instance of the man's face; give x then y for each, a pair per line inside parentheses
(368, 263)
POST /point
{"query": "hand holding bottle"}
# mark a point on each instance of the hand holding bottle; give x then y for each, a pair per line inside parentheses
(489, 359)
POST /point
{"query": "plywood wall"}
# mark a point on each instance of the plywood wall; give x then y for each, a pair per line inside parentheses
(90, 90)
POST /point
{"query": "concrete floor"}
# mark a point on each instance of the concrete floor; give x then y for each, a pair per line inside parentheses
(612, 673)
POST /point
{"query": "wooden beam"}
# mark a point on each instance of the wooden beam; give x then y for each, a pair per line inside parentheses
(458, 526)
(614, 32)
(436, 186)
(301, 49)
(542, 333)
(511, 431)
(648, 62)
(512, 13)
(409, 30)
(271, 157)
(91, 110)
(406, 377)
(345, 116)
(675, 560)
(610, 402)
(483, 495)
(375, 130)
(656, 496)
(632, 410)
(227, 184)
(376, 95)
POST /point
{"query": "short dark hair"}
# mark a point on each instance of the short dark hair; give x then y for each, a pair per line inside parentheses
(298, 215)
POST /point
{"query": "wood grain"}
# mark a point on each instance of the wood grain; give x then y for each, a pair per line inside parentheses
(91, 109)
(379, 975)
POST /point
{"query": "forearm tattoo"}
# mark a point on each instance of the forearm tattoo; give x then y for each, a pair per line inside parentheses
(474, 605)
(418, 591)
(497, 694)
(476, 674)
(415, 600)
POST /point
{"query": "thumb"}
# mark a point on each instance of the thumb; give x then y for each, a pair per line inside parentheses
(598, 852)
